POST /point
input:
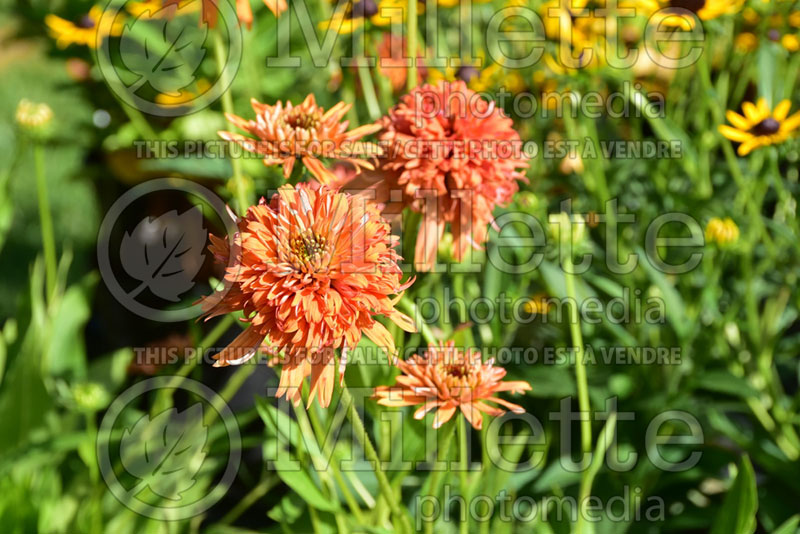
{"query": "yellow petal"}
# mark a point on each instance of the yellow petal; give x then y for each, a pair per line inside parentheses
(791, 123)
(738, 121)
(751, 112)
(763, 109)
(748, 146)
(733, 134)
(782, 110)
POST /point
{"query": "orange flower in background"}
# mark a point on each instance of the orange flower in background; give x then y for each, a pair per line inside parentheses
(392, 61)
(313, 268)
(243, 11)
(306, 131)
(456, 157)
(445, 379)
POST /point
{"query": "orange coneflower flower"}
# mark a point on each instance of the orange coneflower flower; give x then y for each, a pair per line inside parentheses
(306, 131)
(243, 11)
(448, 378)
(392, 61)
(451, 147)
(313, 268)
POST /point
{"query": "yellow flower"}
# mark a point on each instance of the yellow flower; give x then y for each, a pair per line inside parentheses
(348, 19)
(759, 126)
(84, 32)
(538, 304)
(790, 42)
(154, 7)
(453, 3)
(580, 33)
(388, 9)
(750, 16)
(746, 42)
(722, 231)
(479, 80)
(683, 13)
(184, 96)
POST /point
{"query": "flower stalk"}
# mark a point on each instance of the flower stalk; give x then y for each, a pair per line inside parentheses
(45, 220)
(386, 489)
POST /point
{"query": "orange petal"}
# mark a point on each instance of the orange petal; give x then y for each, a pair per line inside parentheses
(443, 415)
(473, 415)
(241, 349)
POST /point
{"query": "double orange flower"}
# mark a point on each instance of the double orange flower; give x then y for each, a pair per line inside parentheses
(314, 266)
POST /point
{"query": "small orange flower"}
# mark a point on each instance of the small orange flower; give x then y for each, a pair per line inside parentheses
(392, 61)
(307, 131)
(313, 268)
(456, 157)
(243, 11)
(448, 379)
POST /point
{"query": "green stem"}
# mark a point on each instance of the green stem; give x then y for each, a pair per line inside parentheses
(351, 501)
(231, 387)
(588, 475)
(368, 87)
(463, 433)
(46, 221)
(248, 500)
(227, 107)
(308, 431)
(580, 368)
(139, 122)
(411, 51)
(372, 456)
(434, 482)
(209, 339)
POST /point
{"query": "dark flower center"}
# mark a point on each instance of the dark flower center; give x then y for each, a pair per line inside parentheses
(768, 126)
(774, 35)
(86, 22)
(364, 8)
(299, 119)
(467, 73)
(691, 5)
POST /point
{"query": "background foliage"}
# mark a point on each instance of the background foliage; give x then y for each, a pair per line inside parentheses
(734, 318)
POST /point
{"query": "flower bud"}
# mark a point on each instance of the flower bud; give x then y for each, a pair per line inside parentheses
(724, 232)
(34, 118)
(90, 396)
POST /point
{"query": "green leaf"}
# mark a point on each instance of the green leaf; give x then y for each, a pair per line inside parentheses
(673, 302)
(166, 452)
(789, 526)
(722, 381)
(302, 484)
(738, 513)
